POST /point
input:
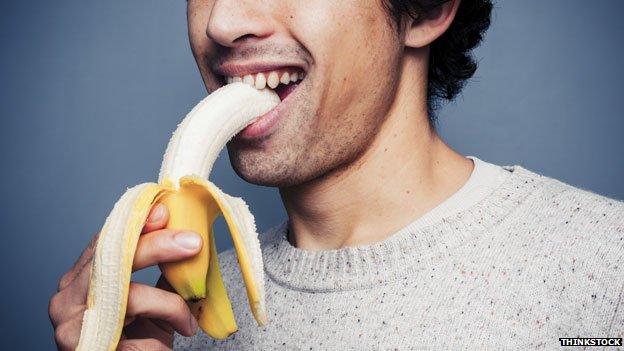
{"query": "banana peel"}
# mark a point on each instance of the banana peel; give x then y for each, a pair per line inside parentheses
(194, 203)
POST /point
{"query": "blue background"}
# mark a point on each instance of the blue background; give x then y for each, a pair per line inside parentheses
(91, 91)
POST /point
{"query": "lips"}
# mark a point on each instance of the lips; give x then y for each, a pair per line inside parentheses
(264, 125)
(284, 90)
(283, 78)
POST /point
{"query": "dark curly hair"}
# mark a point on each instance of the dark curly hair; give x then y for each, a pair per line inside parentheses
(450, 62)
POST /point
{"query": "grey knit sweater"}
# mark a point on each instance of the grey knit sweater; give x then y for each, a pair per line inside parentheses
(532, 261)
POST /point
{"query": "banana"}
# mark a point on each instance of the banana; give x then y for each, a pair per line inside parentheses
(194, 203)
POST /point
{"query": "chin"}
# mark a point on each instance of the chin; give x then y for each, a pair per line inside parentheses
(263, 171)
(264, 177)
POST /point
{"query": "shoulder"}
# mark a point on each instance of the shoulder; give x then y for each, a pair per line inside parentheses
(562, 212)
(580, 223)
(572, 225)
(577, 221)
(581, 234)
(565, 246)
(577, 210)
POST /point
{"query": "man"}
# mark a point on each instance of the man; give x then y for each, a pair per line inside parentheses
(393, 239)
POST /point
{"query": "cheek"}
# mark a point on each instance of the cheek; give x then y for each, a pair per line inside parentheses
(361, 75)
(353, 46)
(338, 30)
(198, 14)
(350, 90)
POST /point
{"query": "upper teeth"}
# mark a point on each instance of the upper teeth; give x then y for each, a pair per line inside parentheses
(271, 78)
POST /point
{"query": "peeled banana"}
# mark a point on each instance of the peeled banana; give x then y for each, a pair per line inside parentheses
(193, 203)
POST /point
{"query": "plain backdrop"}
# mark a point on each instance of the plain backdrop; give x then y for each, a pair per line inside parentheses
(91, 91)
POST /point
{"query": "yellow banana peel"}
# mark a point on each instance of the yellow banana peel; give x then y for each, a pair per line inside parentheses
(193, 203)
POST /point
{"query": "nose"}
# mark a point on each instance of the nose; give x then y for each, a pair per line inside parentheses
(235, 21)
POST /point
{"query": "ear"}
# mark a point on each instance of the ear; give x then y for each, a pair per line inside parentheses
(423, 30)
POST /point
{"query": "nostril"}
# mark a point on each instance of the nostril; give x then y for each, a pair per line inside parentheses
(243, 38)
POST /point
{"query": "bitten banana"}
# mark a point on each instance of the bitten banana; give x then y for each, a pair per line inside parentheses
(194, 203)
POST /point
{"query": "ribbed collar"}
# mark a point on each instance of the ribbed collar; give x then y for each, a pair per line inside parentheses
(411, 248)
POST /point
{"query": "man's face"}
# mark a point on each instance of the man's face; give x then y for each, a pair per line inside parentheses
(350, 55)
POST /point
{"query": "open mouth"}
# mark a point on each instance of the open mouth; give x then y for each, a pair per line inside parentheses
(283, 81)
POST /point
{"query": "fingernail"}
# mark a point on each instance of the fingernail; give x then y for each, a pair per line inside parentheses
(188, 240)
(193, 325)
(158, 213)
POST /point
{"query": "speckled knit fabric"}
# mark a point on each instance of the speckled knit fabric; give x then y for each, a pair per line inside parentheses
(533, 261)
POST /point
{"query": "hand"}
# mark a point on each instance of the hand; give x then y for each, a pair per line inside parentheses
(153, 313)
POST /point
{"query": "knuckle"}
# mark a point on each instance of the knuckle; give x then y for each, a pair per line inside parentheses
(158, 246)
(162, 243)
(149, 246)
(129, 347)
(54, 307)
(63, 336)
(64, 281)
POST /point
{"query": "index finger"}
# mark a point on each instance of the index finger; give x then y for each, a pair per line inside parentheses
(157, 218)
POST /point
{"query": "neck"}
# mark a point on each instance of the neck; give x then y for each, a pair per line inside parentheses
(406, 171)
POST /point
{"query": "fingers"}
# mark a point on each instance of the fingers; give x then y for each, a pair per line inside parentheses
(79, 287)
(149, 302)
(71, 300)
(143, 328)
(142, 344)
(169, 311)
(165, 245)
(157, 219)
(162, 283)
(67, 334)
(62, 308)
(67, 306)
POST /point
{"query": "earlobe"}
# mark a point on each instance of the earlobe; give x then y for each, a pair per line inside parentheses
(427, 27)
